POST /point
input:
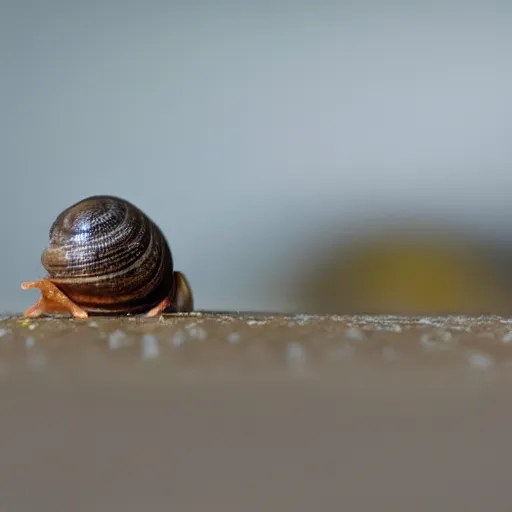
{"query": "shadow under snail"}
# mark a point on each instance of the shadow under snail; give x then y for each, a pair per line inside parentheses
(106, 256)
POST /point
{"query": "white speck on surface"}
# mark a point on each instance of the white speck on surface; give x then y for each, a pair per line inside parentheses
(256, 322)
(93, 324)
(302, 319)
(198, 333)
(30, 342)
(150, 349)
(389, 354)
(178, 339)
(480, 361)
(508, 337)
(353, 333)
(295, 355)
(445, 336)
(437, 341)
(233, 337)
(31, 327)
(3, 331)
(383, 326)
(427, 342)
(115, 339)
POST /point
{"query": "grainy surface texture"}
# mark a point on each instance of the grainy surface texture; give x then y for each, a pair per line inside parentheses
(228, 412)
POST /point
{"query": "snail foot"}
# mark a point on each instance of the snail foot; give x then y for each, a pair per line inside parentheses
(159, 308)
(52, 300)
(180, 300)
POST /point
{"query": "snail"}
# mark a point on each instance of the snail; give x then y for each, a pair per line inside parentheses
(106, 256)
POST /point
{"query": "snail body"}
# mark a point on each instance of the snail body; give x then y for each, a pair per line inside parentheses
(106, 256)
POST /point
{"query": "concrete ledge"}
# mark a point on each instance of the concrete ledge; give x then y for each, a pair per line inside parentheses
(238, 412)
(241, 343)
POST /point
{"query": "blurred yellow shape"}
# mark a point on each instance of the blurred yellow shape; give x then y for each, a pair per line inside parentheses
(409, 275)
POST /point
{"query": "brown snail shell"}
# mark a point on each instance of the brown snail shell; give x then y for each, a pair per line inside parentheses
(106, 256)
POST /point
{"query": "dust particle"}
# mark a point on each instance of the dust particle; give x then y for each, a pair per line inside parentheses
(480, 361)
(302, 319)
(233, 337)
(508, 337)
(295, 354)
(198, 333)
(150, 348)
(178, 339)
(115, 339)
(353, 333)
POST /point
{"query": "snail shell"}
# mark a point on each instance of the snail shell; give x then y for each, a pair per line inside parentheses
(107, 256)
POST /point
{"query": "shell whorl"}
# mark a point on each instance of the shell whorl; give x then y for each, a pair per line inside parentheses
(106, 254)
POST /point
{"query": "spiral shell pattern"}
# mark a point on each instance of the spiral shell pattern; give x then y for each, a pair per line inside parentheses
(108, 256)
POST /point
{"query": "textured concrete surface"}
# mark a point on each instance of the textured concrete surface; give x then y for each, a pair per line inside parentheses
(228, 412)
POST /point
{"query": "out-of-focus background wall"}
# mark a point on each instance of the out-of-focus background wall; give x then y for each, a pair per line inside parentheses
(329, 156)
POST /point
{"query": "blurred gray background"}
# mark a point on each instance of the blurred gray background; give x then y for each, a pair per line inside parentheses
(254, 135)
